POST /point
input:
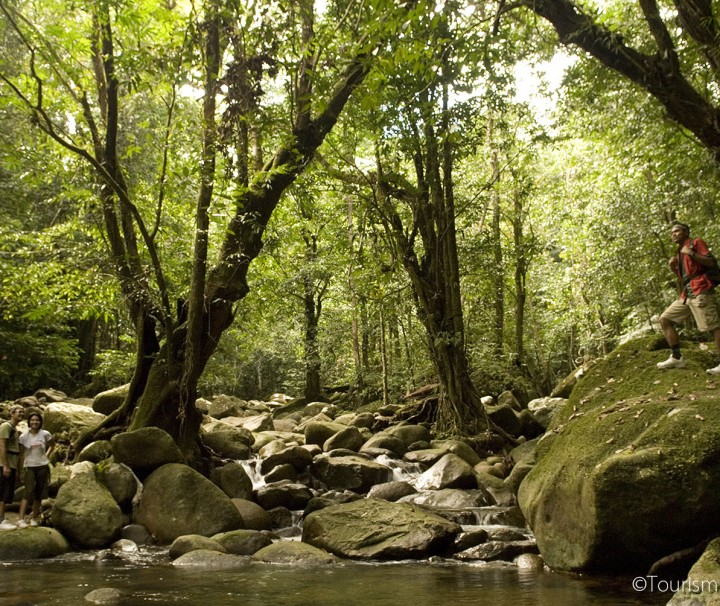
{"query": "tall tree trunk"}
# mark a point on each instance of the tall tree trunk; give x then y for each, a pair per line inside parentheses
(312, 349)
(521, 267)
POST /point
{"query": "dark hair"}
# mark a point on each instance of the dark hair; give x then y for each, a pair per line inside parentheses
(35, 414)
(685, 226)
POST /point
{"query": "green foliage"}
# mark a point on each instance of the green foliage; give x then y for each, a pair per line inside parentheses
(31, 358)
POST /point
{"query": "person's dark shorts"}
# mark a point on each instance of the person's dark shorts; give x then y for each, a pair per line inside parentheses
(37, 481)
(7, 487)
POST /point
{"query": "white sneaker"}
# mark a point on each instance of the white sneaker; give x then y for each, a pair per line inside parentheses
(5, 525)
(34, 522)
(672, 363)
(714, 371)
(22, 524)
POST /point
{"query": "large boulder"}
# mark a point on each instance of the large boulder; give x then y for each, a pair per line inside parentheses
(31, 544)
(193, 542)
(243, 542)
(632, 466)
(233, 480)
(62, 416)
(121, 482)
(253, 515)
(318, 432)
(376, 529)
(110, 400)
(284, 494)
(449, 472)
(227, 440)
(701, 586)
(293, 553)
(410, 434)
(146, 449)
(297, 456)
(349, 472)
(85, 510)
(177, 500)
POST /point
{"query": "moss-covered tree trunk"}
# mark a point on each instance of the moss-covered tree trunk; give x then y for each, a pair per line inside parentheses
(175, 345)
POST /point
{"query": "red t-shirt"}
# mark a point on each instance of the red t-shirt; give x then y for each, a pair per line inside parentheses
(699, 283)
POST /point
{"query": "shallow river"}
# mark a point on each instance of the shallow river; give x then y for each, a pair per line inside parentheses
(149, 579)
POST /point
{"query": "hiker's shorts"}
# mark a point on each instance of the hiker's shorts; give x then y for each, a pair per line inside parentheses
(7, 487)
(37, 480)
(702, 307)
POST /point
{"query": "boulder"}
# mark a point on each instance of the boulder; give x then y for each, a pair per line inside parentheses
(31, 544)
(280, 473)
(96, 451)
(506, 418)
(223, 406)
(349, 438)
(294, 553)
(425, 456)
(233, 480)
(297, 456)
(242, 542)
(71, 418)
(284, 494)
(177, 500)
(105, 595)
(410, 434)
(385, 441)
(460, 448)
(121, 482)
(192, 542)
(85, 511)
(375, 529)
(391, 491)
(449, 472)
(137, 533)
(262, 422)
(544, 409)
(497, 550)
(701, 586)
(254, 517)
(364, 419)
(449, 498)
(208, 559)
(349, 472)
(227, 441)
(109, 401)
(530, 427)
(50, 395)
(144, 450)
(508, 398)
(317, 432)
(634, 465)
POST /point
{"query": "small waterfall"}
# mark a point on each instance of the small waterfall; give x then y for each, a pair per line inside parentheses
(252, 469)
(401, 470)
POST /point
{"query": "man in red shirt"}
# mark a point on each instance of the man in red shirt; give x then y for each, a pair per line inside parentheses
(697, 298)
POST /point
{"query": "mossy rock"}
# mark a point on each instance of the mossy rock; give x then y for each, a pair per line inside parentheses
(632, 467)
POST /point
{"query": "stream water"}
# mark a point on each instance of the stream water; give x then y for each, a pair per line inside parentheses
(149, 579)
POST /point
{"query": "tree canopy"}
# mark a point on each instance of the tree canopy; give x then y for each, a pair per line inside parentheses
(355, 196)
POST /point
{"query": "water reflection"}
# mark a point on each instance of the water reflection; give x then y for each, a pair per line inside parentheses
(69, 580)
